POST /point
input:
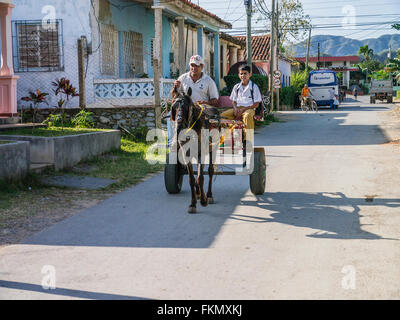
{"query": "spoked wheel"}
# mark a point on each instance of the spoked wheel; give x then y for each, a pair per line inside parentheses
(173, 177)
(258, 177)
(314, 106)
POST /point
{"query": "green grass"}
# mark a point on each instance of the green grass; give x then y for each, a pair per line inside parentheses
(5, 142)
(128, 167)
(48, 132)
(270, 118)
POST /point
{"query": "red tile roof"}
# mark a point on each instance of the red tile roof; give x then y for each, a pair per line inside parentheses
(259, 47)
(330, 59)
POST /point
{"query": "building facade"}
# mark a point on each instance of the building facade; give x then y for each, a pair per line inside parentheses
(341, 64)
(121, 43)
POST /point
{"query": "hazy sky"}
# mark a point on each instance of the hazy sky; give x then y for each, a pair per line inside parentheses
(365, 18)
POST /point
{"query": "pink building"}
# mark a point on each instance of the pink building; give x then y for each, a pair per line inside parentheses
(8, 81)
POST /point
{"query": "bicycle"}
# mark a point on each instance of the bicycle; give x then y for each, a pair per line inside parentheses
(305, 106)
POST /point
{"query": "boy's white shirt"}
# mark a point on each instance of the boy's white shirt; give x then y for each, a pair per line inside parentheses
(243, 96)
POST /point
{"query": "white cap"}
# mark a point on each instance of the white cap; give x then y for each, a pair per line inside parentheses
(197, 60)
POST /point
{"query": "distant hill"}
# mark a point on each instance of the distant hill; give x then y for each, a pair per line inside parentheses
(341, 46)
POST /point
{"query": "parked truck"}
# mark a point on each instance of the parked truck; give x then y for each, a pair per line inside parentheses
(381, 90)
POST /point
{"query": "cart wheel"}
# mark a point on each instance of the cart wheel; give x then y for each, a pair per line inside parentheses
(258, 177)
(172, 177)
(390, 100)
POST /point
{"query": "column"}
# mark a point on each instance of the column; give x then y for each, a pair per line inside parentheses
(157, 63)
(240, 55)
(200, 41)
(216, 59)
(181, 42)
(233, 55)
(348, 79)
(8, 81)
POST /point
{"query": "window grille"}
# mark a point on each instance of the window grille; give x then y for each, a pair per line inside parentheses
(132, 54)
(152, 50)
(109, 50)
(38, 46)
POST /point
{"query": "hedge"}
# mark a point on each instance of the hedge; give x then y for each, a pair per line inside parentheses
(230, 80)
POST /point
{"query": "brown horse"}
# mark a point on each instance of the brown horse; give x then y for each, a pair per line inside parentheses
(192, 117)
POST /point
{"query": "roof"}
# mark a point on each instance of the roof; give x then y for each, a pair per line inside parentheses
(212, 15)
(330, 59)
(232, 39)
(259, 47)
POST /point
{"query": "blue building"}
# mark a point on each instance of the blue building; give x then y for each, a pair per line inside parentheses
(120, 37)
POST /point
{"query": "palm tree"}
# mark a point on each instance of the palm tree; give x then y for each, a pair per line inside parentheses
(366, 52)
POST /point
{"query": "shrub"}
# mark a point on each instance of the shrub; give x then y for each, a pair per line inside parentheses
(83, 119)
(288, 96)
(260, 80)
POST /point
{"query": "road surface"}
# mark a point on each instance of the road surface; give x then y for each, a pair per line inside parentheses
(328, 227)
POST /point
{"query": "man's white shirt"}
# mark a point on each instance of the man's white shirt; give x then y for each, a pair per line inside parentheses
(203, 89)
(242, 94)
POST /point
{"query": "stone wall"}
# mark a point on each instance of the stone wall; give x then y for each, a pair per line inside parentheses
(105, 118)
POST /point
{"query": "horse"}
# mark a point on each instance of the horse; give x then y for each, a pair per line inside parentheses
(190, 116)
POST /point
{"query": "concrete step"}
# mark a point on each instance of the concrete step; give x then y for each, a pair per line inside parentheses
(9, 120)
(40, 167)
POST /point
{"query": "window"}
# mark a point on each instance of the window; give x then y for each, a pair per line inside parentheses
(221, 57)
(132, 54)
(38, 46)
(152, 42)
(212, 71)
(109, 50)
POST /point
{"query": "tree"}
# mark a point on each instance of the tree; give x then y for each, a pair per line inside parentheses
(396, 26)
(366, 52)
(292, 21)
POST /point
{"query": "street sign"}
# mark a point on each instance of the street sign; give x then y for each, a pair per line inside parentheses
(277, 74)
(277, 83)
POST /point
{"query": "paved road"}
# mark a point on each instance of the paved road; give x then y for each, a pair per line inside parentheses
(328, 227)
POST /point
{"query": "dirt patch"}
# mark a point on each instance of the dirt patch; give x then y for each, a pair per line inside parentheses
(31, 213)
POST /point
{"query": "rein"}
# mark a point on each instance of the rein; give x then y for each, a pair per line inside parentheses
(201, 111)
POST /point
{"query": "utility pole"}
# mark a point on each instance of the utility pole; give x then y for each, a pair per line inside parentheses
(271, 52)
(81, 71)
(248, 5)
(319, 54)
(276, 51)
(308, 48)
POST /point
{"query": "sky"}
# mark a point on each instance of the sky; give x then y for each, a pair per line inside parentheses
(357, 19)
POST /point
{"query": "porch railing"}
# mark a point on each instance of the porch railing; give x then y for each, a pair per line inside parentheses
(124, 92)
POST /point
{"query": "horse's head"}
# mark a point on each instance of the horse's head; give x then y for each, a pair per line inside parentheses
(182, 109)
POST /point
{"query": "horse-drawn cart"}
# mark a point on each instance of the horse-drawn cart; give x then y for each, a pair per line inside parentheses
(228, 149)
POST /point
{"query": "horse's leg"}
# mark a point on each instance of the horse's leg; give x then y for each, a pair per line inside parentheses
(210, 176)
(200, 184)
(192, 182)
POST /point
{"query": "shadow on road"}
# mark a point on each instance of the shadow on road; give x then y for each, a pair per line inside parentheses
(65, 292)
(322, 128)
(320, 211)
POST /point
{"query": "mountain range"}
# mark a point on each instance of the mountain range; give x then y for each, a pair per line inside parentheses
(342, 46)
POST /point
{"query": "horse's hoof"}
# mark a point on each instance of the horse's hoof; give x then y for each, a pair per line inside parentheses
(204, 203)
(192, 210)
(211, 200)
(198, 196)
